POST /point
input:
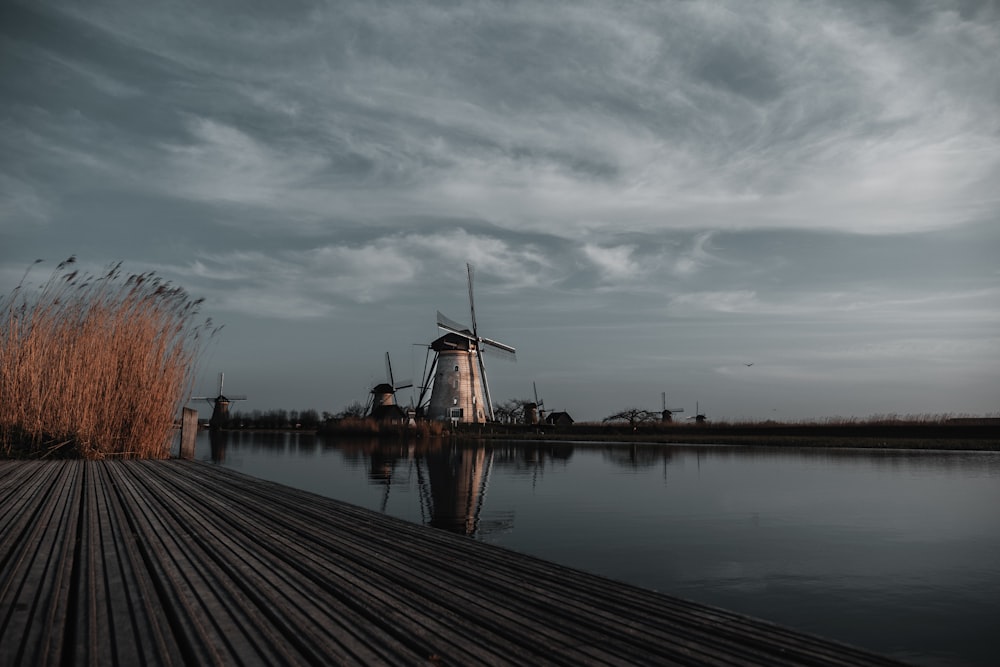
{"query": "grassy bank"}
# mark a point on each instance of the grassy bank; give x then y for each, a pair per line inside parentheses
(94, 366)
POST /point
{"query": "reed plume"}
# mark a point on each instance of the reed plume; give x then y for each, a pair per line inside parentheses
(95, 366)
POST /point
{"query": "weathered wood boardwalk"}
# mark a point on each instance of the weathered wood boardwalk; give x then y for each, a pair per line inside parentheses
(171, 562)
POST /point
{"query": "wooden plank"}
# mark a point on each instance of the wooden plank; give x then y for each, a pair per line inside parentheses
(121, 621)
(37, 574)
(176, 562)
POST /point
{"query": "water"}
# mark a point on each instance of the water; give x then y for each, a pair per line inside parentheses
(896, 552)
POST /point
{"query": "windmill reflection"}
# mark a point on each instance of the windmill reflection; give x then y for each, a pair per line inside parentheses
(218, 439)
(457, 480)
(452, 480)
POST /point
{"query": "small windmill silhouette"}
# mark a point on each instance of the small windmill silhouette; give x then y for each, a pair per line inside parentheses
(667, 414)
(220, 405)
(383, 404)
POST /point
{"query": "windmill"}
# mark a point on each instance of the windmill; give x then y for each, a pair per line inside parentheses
(697, 416)
(220, 405)
(667, 413)
(534, 412)
(460, 391)
(382, 405)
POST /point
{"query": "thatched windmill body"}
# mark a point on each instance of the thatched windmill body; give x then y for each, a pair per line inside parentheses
(460, 391)
(220, 405)
(383, 405)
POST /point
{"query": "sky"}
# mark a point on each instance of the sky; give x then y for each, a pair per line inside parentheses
(653, 194)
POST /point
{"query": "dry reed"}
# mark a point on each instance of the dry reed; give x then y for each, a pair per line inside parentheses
(95, 366)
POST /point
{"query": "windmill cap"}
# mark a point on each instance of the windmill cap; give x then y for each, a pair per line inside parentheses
(451, 341)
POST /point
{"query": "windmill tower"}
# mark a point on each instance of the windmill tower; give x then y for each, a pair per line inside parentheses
(382, 405)
(220, 405)
(459, 390)
(667, 414)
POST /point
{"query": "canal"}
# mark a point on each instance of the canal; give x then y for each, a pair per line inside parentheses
(893, 551)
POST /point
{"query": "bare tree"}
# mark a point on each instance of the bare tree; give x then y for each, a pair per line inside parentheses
(633, 416)
(510, 411)
(355, 409)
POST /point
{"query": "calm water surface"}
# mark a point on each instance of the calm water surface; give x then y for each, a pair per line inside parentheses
(897, 552)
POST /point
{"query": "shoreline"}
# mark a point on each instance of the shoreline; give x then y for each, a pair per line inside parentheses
(954, 435)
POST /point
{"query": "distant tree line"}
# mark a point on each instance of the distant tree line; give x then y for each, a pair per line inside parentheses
(510, 411)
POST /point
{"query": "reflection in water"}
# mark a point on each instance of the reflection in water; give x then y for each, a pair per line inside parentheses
(275, 441)
(455, 487)
(218, 440)
(452, 479)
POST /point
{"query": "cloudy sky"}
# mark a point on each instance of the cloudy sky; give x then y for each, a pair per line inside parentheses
(653, 194)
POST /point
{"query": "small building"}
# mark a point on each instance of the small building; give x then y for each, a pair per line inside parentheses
(558, 419)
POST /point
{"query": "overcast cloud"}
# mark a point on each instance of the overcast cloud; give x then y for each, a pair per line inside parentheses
(652, 194)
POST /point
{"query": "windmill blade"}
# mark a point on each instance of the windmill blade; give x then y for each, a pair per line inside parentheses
(538, 403)
(448, 324)
(498, 345)
(237, 397)
(388, 370)
(472, 302)
(222, 378)
(426, 383)
(405, 384)
(497, 350)
(464, 333)
(486, 389)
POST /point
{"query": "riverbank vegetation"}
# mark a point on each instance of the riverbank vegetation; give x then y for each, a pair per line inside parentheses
(95, 366)
(876, 432)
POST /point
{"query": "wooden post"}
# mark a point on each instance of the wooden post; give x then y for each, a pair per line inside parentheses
(189, 429)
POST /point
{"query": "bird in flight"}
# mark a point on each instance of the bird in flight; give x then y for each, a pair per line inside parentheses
(748, 365)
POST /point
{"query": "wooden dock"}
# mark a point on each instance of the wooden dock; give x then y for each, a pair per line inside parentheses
(175, 562)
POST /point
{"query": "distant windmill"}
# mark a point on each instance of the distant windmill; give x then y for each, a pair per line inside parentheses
(220, 405)
(459, 390)
(534, 412)
(698, 417)
(382, 404)
(668, 413)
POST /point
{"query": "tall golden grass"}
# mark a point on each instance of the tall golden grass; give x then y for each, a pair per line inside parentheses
(95, 366)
